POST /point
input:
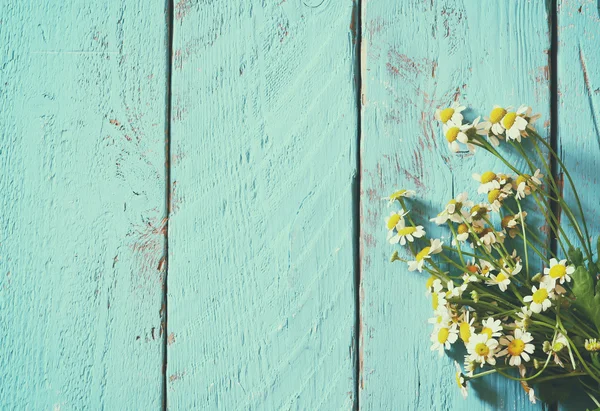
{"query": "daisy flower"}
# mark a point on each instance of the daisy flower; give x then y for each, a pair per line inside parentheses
(489, 237)
(392, 221)
(491, 327)
(455, 133)
(481, 349)
(404, 233)
(442, 338)
(525, 316)
(493, 123)
(515, 124)
(559, 271)
(396, 196)
(465, 327)
(438, 301)
(510, 223)
(460, 380)
(441, 318)
(470, 366)
(487, 182)
(479, 212)
(454, 210)
(452, 113)
(433, 285)
(497, 196)
(435, 246)
(517, 347)
(540, 298)
(468, 277)
(560, 342)
(483, 129)
(502, 280)
(454, 291)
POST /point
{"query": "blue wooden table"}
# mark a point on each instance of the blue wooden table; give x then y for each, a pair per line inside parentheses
(191, 192)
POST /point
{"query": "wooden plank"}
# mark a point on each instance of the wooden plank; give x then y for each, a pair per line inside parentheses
(579, 115)
(82, 125)
(418, 56)
(260, 286)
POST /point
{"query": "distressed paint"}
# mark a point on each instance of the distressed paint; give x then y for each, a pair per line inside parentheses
(260, 283)
(420, 56)
(579, 112)
(82, 122)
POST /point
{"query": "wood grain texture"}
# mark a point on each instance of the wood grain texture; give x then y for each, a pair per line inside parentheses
(418, 56)
(260, 285)
(579, 115)
(82, 121)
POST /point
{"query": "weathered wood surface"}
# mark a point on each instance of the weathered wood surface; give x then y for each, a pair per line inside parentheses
(82, 124)
(262, 230)
(260, 283)
(579, 113)
(418, 56)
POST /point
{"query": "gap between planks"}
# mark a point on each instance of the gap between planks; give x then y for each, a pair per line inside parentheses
(169, 15)
(356, 27)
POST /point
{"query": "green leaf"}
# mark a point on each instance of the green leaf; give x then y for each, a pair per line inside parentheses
(593, 269)
(586, 301)
(598, 247)
(575, 256)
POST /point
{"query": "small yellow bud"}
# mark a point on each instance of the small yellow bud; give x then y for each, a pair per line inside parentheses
(537, 278)
(592, 344)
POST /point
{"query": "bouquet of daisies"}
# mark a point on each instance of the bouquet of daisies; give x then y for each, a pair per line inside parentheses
(519, 308)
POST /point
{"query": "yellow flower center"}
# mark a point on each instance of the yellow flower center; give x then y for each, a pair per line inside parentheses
(558, 271)
(465, 331)
(509, 120)
(497, 114)
(407, 230)
(482, 349)
(435, 301)
(523, 178)
(392, 221)
(423, 253)
(452, 134)
(487, 331)
(397, 195)
(493, 195)
(446, 114)
(463, 228)
(540, 295)
(487, 177)
(443, 335)
(501, 277)
(429, 282)
(516, 347)
(478, 212)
